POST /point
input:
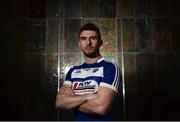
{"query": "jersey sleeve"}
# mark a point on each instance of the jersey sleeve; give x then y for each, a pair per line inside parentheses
(111, 77)
(68, 78)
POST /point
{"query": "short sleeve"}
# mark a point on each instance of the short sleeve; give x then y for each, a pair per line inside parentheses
(68, 78)
(111, 77)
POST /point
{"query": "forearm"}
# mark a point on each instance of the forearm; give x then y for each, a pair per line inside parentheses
(71, 102)
(90, 108)
(101, 104)
(93, 107)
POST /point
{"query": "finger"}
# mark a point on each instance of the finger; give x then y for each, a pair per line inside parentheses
(62, 91)
(69, 89)
(66, 90)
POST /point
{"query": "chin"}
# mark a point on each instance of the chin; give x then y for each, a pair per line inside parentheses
(90, 55)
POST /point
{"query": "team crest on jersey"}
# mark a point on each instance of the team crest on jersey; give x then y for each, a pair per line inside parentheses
(85, 87)
(95, 70)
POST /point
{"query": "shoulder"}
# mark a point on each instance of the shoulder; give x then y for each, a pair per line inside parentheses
(109, 65)
(76, 67)
(69, 73)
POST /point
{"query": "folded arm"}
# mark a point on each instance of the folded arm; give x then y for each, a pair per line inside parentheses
(98, 103)
(66, 99)
(101, 104)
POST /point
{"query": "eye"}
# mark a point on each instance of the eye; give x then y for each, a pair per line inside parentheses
(94, 38)
(83, 38)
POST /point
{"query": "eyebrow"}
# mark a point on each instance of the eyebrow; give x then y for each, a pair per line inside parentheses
(83, 37)
(89, 37)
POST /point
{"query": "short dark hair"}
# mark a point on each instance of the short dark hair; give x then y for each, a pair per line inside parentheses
(92, 27)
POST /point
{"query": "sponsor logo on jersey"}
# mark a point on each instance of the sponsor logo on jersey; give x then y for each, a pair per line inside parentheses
(78, 71)
(85, 87)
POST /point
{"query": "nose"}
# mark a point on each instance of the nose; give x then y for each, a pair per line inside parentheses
(88, 41)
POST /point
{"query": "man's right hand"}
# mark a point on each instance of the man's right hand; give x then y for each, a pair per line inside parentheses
(66, 90)
(66, 99)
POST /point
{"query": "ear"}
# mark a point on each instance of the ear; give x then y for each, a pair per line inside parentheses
(100, 42)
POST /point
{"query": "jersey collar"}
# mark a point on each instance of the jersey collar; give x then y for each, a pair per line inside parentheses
(99, 60)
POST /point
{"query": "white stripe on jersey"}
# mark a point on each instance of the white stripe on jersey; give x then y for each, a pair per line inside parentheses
(87, 72)
(108, 86)
(116, 78)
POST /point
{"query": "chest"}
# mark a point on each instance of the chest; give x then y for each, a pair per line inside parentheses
(86, 80)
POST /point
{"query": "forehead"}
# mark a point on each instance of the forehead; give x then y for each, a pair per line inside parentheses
(88, 33)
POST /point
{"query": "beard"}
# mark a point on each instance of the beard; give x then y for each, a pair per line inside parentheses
(91, 54)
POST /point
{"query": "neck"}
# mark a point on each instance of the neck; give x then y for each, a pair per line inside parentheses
(92, 60)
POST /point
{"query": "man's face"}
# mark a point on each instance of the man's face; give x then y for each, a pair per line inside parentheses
(89, 43)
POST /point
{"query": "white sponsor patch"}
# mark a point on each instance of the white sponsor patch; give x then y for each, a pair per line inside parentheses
(85, 87)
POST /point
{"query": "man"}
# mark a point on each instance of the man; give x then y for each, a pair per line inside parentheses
(90, 89)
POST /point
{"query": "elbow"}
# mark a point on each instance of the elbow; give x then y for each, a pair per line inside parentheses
(58, 104)
(62, 104)
(101, 110)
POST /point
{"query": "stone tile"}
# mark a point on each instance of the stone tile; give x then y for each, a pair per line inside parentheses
(52, 70)
(71, 35)
(90, 20)
(162, 35)
(124, 8)
(143, 34)
(107, 8)
(36, 36)
(54, 8)
(145, 71)
(119, 35)
(90, 8)
(130, 71)
(163, 71)
(72, 8)
(128, 35)
(142, 8)
(36, 72)
(111, 56)
(52, 35)
(61, 35)
(109, 34)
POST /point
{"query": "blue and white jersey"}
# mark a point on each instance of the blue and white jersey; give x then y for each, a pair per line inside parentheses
(86, 79)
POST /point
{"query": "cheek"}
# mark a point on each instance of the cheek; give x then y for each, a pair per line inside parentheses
(81, 44)
(95, 44)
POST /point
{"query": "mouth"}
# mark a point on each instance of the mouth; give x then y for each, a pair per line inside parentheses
(89, 48)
